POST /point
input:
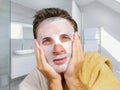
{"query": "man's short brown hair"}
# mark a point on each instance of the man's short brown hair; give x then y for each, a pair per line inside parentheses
(48, 13)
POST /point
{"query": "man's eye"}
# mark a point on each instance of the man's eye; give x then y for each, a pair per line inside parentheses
(65, 38)
(46, 41)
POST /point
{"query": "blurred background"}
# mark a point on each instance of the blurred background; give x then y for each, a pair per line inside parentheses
(98, 23)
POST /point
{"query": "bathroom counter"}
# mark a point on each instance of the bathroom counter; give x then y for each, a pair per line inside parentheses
(22, 65)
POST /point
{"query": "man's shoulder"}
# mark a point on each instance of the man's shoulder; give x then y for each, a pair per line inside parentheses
(93, 55)
(95, 71)
(33, 80)
(96, 58)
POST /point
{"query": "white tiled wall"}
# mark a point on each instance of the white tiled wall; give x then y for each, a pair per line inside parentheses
(92, 39)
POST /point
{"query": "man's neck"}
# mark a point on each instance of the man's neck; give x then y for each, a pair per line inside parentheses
(63, 82)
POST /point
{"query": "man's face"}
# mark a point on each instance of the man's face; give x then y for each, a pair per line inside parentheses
(55, 37)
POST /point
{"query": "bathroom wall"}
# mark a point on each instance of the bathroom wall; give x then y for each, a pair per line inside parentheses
(20, 44)
(4, 44)
(21, 13)
(76, 15)
(98, 15)
(23, 17)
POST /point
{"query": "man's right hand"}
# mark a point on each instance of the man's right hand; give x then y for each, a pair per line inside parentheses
(54, 78)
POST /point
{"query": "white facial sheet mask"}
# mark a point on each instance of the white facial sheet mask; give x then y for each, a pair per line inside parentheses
(48, 49)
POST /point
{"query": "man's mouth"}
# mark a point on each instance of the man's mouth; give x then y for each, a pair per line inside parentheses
(60, 61)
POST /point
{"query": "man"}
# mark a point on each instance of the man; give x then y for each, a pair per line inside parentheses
(61, 63)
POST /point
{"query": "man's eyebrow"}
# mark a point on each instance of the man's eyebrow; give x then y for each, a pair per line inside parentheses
(46, 37)
(69, 33)
(65, 34)
(43, 37)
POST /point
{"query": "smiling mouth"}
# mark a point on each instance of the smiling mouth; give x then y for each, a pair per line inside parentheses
(60, 61)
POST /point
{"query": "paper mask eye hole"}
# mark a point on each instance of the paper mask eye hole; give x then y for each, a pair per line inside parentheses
(65, 38)
(47, 41)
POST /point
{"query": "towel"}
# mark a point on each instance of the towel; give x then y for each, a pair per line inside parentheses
(96, 73)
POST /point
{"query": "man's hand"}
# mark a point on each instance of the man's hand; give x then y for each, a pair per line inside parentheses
(54, 79)
(72, 73)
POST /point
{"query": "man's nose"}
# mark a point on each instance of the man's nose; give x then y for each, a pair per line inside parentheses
(58, 49)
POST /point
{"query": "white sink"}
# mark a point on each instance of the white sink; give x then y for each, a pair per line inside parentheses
(25, 51)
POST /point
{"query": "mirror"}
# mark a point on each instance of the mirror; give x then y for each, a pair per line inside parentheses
(21, 31)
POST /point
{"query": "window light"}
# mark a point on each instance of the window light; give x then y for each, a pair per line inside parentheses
(118, 1)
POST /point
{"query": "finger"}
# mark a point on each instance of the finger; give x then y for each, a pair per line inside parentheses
(77, 41)
(75, 46)
(78, 54)
(74, 51)
(79, 48)
(77, 51)
(36, 50)
(37, 53)
(42, 61)
(42, 65)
